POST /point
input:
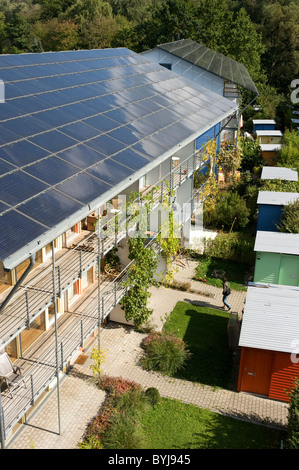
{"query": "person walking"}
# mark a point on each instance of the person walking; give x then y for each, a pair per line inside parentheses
(225, 293)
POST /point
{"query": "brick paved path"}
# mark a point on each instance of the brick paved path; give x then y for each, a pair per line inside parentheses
(80, 399)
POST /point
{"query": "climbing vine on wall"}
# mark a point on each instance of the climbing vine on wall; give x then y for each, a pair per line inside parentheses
(140, 278)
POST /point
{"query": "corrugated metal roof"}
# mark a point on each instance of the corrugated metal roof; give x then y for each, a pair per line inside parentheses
(270, 319)
(276, 198)
(270, 147)
(281, 173)
(268, 132)
(210, 60)
(277, 242)
(263, 121)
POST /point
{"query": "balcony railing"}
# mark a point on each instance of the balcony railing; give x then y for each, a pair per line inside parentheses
(37, 294)
(74, 329)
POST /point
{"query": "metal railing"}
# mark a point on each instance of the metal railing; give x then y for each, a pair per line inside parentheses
(44, 370)
(37, 293)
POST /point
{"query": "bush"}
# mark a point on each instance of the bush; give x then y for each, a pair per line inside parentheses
(233, 246)
(164, 353)
(123, 434)
(231, 211)
(153, 395)
(289, 222)
(292, 441)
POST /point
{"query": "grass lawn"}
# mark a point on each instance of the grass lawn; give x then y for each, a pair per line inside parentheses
(174, 425)
(235, 272)
(205, 332)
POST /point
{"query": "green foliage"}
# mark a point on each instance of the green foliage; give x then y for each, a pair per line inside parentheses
(212, 270)
(289, 221)
(234, 246)
(279, 185)
(99, 357)
(292, 441)
(169, 241)
(164, 353)
(153, 395)
(230, 212)
(140, 278)
(251, 155)
(288, 156)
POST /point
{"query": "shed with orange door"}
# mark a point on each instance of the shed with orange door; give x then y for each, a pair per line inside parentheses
(269, 341)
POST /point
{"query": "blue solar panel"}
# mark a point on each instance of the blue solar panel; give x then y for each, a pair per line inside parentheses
(19, 231)
(17, 187)
(22, 153)
(41, 208)
(52, 170)
(53, 141)
(84, 188)
(82, 156)
(77, 123)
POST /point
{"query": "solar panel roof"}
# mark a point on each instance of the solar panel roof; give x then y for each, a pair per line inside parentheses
(76, 125)
(210, 60)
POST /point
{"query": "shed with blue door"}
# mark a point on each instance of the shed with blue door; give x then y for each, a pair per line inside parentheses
(270, 207)
(263, 124)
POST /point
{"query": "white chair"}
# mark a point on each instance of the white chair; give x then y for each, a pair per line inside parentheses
(10, 374)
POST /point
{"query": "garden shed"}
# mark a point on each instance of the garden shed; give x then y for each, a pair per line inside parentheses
(270, 207)
(269, 341)
(277, 172)
(277, 258)
(263, 124)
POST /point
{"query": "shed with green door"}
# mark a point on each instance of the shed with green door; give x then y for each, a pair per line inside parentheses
(277, 258)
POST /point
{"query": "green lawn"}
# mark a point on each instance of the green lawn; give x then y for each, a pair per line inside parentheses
(172, 424)
(205, 332)
(235, 272)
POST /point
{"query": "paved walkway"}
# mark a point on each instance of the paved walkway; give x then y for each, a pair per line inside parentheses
(80, 399)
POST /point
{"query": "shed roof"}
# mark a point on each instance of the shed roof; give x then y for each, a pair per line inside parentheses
(264, 121)
(77, 127)
(281, 173)
(214, 62)
(277, 242)
(276, 198)
(269, 132)
(270, 318)
(270, 147)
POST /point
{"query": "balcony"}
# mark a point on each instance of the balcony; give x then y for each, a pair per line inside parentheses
(42, 360)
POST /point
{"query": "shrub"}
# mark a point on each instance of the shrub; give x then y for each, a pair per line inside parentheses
(123, 434)
(289, 222)
(234, 246)
(153, 395)
(164, 353)
(292, 441)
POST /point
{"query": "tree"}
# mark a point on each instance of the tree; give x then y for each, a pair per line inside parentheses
(57, 35)
(280, 30)
(171, 19)
(245, 44)
(289, 221)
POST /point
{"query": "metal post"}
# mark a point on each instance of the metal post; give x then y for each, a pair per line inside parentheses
(56, 335)
(32, 390)
(27, 309)
(2, 425)
(99, 280)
